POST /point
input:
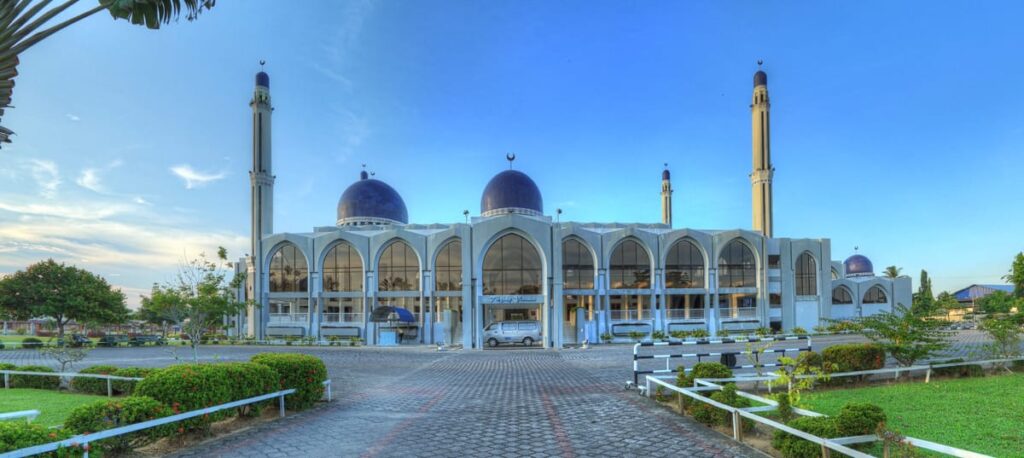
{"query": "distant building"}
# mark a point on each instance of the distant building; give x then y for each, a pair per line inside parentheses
(512, 262)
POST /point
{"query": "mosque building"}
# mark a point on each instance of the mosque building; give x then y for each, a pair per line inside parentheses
(445, 283)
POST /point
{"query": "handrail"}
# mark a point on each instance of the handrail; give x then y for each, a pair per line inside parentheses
(886, 370)
(85, 439)
(29, 414)
(108, 378)
(726, 340)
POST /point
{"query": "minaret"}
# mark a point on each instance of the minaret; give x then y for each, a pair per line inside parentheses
(761, 177)
(666, 197)
(261, 179)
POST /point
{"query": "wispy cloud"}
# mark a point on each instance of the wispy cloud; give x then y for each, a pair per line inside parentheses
(139, 200)
(193, 178)
(73, 118)
(47, 177)
(90, 177)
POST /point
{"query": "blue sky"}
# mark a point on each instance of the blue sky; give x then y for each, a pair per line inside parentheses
(896, 126)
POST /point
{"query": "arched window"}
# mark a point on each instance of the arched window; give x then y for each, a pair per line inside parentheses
(630, 267)
(577, 265)
(448, 267)
(398, 269)
(684, 266)
(736, 266)
(512, 266)
(343, 269)
(875, 295)
(835, 274)
(806, 275)
(841, 295)
(288, 270)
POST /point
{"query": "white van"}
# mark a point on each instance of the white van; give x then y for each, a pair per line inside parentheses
(512, 332)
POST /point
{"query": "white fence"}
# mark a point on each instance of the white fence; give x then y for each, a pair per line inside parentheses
(108, 378)
(27, 414)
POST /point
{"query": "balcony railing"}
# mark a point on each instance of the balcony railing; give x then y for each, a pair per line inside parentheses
(624, 315)
(343, 317)
(685, 314)
(289, 318)
(739, 313)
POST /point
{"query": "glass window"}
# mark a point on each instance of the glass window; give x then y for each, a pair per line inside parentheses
(738, 306)
(508, 326)
(775, 300)
(774, 261)
(531, 326)
(684, 266)
(399, 268)
(841, 295)
(630, 267)
(512, 266)
(685, 306)
(736, 266)
(343, 310)
(835, 275)
(448, 267)
(491, 327)
(806, 275)
(875, 295)
(577, 265)
(288, 270)
(343, 269)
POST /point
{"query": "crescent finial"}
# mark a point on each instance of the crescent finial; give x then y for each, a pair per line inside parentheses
(510, 157)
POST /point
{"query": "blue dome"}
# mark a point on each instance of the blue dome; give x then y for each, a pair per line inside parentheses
(858, 266)
(666, 175)
(263, 79)
(370, 201)
(760, 78)
(511, 191)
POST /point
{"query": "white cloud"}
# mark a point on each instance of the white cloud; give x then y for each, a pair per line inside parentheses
(140, 201)
(47, 177)
(90, 180)
(193, 178)
(73, 118)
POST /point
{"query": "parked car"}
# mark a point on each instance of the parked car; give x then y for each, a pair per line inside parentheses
(140, 340)
(512, 332)
(76, 341)
(112, 340)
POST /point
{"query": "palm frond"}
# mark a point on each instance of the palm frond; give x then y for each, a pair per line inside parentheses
(153, 13)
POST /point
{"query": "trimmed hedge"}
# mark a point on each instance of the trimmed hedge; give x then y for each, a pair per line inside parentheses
(794, 447)
(43, 382)
(93, 385)
(31, 342)
(711, 415)
(186, 387)
(19, 434)
(859, 418)
(701, 370)
(128, 386)
(250, 380)
(305, 373)
(7, 367)
(855, 357)
(103, 415)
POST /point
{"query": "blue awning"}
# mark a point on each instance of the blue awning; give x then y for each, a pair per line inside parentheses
(386, 314)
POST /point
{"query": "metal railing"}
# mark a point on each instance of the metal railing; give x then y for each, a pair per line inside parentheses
(28, 414)
(685, 314)
(343, 318)
(108, 378)
(896, 371)
(668, 357)
(738, 313)
(632, 314)
(290, 318)
(83, 440)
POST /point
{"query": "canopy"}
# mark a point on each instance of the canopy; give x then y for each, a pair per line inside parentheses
(385, 314)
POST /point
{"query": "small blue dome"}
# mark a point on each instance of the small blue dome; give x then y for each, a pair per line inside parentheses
(760, 78)
(511, 191)
(666, 175)
(263, 79)
(370, 201)
(858, 266)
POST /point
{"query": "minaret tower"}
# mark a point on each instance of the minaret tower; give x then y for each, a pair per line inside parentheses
(666, 197)
(261, 179)
(761, 177)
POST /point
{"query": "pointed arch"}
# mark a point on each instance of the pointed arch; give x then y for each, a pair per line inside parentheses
(342, 268)
(577, 264)
(737, 267)
(875, 295)
(684, 265)
(512, 266)
(288, 270)
(398, 267)
(841, 295)
(806, 275)
(630, 266)
(448, 266)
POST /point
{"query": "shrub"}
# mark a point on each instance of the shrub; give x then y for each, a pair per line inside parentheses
(793, 447)
(763, 332)
(31, 342)
(93, 385)
(43, 382)
(187, 387)
(855, 357)
(7, 367)
(711, 415)
(19, 434)
(658, 335)
(700, 334)
(679, 334)
(701, 370)
(103, 415)
(799, 331)
(784, 408)
(128, 386)
(969, 370)
(859, 418)
(808, 359)
(250, 380)
(305, 373)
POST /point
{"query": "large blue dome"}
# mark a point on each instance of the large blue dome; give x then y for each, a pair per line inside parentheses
(370, 201)
(858, 266)
(511, 191)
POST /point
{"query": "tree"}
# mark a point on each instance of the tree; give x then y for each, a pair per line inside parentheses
(997, 302)
(946, 302)
(1016, 276)
(923, 301)
(22, 22)
(62, 293)
(892, 272)
(1005, 335)
(906, 337)
(198, 299)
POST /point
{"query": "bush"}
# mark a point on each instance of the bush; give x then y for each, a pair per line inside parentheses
(711, 415)
(700, 334)
(31, 342)
(855, 357)
(305, 373)
(19, 434)
(793, 447)
(799, 331)
(250, 380)
(93, 385)
(128, 386)
(7, 367)
(808, 359)
(970, 370)
(187, 387)
(859, 418)
(103, 415)
(701, 370)
(43, 382)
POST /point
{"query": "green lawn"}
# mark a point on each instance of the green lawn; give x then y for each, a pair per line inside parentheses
(53, 406)
(978, 414)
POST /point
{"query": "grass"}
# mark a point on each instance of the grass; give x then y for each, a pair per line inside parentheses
(54, 406)
(982, 414)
